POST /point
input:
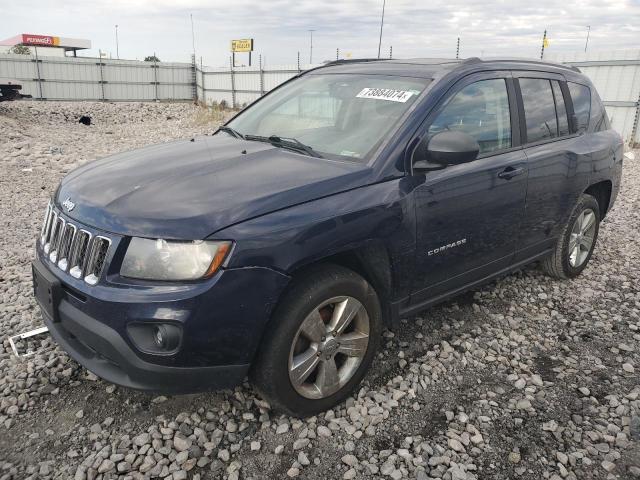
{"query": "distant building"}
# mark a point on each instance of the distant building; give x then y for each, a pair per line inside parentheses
(47, 45)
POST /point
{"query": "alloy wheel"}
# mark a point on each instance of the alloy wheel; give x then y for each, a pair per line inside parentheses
(329, 347)
(581, 237)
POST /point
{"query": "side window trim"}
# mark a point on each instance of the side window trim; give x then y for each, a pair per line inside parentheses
(451, 92)
(558, 103)
(568, 102)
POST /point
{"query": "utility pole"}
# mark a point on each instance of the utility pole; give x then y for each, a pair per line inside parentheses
(381, 24)
(390, 52)
(117, 46)
(458, 49)
(311, 46)
(544, 40)
(587, 42)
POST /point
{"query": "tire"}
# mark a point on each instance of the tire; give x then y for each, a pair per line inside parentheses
(318, 299)
(564, 262)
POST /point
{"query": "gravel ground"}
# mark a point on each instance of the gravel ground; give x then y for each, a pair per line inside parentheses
(526, 378)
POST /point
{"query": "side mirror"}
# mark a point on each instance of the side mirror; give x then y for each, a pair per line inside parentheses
(445, 148)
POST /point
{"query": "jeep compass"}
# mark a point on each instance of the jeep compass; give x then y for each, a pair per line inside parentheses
(350, 196)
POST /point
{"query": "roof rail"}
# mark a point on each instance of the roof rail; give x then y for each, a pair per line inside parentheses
(352, 60)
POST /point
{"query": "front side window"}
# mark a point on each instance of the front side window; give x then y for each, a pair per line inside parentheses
(581, 98)
(337, 115)
(480, 110)
(539, 109)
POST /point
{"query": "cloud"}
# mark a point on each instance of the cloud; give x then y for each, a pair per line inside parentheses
(280, 27)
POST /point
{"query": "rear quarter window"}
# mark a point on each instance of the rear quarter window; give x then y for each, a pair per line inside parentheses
(581, 98)
(598, 113)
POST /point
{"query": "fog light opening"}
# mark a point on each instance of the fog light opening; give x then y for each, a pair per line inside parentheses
(160, 337)
(155, 338)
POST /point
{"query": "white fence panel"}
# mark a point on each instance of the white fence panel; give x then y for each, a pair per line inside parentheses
(243, 85)
(82, 78)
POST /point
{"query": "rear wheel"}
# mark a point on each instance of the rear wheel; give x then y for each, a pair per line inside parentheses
(320, 342)
(575, 247)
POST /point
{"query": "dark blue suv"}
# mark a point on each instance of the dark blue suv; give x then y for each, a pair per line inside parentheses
(350, 196)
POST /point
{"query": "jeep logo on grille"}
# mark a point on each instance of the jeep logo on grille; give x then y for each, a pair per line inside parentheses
(68, 204)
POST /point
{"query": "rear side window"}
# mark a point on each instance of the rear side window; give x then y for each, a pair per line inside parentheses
(480, 110)
(539, 109)
(581, 98)
(561, 109)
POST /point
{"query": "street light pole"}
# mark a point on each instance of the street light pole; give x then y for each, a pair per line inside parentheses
(193, 37)
(381, 23)
(311, 46)
(587, 42)
(117, 46)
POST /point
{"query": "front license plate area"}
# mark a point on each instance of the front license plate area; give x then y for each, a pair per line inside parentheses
(47, 290)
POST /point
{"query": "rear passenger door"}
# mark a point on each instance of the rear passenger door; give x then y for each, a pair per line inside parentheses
(558, 159)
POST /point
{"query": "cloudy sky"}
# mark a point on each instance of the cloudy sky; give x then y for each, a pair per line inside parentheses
(280, 27)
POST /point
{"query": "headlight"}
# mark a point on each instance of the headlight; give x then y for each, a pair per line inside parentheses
(173, 260)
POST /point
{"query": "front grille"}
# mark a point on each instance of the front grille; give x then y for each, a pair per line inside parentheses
(73, 249)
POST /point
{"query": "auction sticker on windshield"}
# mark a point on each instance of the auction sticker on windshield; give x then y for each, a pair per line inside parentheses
(385, 94)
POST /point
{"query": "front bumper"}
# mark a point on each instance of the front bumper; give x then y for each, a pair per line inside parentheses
(222, 323)
(103, 351)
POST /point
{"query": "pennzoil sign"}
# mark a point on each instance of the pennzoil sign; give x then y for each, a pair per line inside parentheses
(40, 40)
(242, 45)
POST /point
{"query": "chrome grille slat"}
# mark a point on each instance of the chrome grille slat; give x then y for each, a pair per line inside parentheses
(73, 249)
(52, 223)
(66, 240)
(78, 256)
(56, 240)
(44, 231)
(96, 261)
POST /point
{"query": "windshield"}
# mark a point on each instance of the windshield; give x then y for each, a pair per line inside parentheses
(336, 115)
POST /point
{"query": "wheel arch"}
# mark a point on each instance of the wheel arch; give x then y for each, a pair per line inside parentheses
(602, 193)
(371, 261)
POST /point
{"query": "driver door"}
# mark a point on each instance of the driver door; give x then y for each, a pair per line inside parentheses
(468, 215)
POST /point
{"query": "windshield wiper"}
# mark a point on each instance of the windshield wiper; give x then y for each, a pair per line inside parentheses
(230, 131)
(286, 142)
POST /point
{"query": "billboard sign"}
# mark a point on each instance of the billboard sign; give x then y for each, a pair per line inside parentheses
(242, 45)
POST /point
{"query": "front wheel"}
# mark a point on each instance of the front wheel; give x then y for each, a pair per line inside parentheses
(575, 246)
(320, 342)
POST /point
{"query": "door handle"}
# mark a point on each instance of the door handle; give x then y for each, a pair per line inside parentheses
(510, 172)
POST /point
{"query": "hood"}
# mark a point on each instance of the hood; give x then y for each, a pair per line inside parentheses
(189, 189)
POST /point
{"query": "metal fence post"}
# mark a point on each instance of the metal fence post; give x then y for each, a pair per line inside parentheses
(38, 73)
(233, 85)
(261, 76)
(155, 74)
(100, 64)
(298, 62)
(633, 143)
(194, 79)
